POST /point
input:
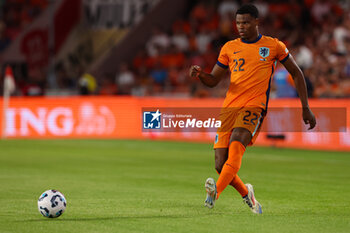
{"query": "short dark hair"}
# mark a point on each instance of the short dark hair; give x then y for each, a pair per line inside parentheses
(248, 9)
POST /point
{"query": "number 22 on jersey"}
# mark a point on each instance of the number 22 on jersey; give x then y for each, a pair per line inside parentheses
(239, 63)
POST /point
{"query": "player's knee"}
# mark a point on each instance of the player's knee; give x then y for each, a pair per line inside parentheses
(241, 135)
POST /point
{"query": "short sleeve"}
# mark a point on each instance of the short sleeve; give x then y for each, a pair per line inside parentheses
(282, 52)
(223, 59)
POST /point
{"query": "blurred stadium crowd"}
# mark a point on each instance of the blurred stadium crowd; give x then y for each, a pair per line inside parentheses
(317, 33)
(15, 15)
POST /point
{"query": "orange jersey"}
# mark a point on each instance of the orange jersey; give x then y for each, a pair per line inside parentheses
(252, 65)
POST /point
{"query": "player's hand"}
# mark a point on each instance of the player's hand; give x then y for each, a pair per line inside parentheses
(195, 71)
(309, 118)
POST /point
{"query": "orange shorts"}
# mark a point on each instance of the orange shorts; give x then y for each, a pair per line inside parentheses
(248, 118)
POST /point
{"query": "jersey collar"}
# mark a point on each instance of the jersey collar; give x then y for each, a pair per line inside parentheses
(254, 41)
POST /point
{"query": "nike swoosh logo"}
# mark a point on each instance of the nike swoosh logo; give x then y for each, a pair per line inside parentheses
(236, 52)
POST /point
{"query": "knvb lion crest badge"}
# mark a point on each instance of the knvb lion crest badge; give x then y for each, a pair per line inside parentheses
(264, 52)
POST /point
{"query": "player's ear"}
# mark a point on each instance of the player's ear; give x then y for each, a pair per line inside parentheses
(256, 21)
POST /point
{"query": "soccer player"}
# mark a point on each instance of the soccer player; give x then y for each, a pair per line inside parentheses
(251, 60)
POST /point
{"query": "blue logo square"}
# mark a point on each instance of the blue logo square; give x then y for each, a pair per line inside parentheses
(264, 52)
(152, 120)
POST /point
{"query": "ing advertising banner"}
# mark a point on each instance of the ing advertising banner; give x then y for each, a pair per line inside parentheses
(65, 118)
(173, 119)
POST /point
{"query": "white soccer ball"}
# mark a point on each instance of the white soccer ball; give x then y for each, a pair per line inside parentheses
(52, 203)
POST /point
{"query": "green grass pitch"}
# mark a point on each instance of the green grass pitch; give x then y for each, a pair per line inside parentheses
(151, 186)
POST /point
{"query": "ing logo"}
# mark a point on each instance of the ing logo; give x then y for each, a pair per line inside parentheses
(151, 120)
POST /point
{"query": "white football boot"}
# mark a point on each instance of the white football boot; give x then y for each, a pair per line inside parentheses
(210, 188)
(253, 204)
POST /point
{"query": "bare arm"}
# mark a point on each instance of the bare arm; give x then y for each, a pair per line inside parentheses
(210, 80)
(299, 80)
(300, 85)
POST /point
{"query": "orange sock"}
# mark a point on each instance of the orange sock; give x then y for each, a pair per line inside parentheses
(238, 184)
(231, 167)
